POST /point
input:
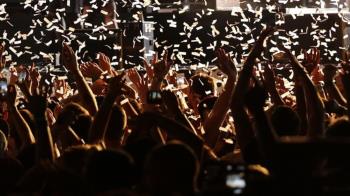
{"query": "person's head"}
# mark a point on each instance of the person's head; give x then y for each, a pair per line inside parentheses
(116, 126)
(171, 169)
(77, 117)
(74, 158)
(339, 128)
(205, 106)
(99, 87)
(201, 87)
(109, 170)
(70, 112)
(285, 121)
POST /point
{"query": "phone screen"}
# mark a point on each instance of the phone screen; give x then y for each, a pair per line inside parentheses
(22, 76)
(235, 181)
(3, 87)
(154, 97)
(181, 80)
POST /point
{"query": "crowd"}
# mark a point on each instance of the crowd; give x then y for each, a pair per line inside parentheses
(161, 132)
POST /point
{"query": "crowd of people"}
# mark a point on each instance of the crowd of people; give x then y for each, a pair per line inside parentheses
(162, 132)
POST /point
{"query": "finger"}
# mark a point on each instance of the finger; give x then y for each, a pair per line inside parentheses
(155, 58)
(165, 56)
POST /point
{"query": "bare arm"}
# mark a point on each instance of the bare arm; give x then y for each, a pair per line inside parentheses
(99, 125)
(218, 114)
(243, 125)
(44, 143)
(86, 96)
(330, 87)
(314, 104)
(21, 126)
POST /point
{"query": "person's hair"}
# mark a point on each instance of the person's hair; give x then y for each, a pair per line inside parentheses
(171, 168)
(202, 85)
(285, 121)
(74, 158)
(77, 117)
(82, 125)
(109, 170)
(117, 123)
(339, 128)
(206, 104)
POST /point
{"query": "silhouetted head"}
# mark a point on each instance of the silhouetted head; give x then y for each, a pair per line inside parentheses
(201, 86)
(205, 106)
(285, 121)
(171, 169)
(109, 170)
(77, 117)
(339, 128)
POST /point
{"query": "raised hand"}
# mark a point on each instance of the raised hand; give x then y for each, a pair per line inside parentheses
(2, 58)
(69, 59)
(259, 46)
(60, 88)
(140, 84)
(104, 62)
(116, 85)
(269, 76)
(33, 73)
(149, 67)
(226, 63)
(14, 76)
(298, 68)
(91, 70)
(161, 68)
(312, 60)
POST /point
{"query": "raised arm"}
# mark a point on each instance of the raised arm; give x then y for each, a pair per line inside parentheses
(270, 85)
(330, 72)
(160, 69)
(44, 143)
(218, 114)
(21, 126)
(244, 130)
(101, 119)
(314, 104)
(87, 98)
(2, 58)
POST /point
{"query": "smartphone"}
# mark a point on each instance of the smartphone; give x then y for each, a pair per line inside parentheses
(3, 87)
(22, 76)
(235, 181)
(235, 177)
(154, 97)
(180, 80)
